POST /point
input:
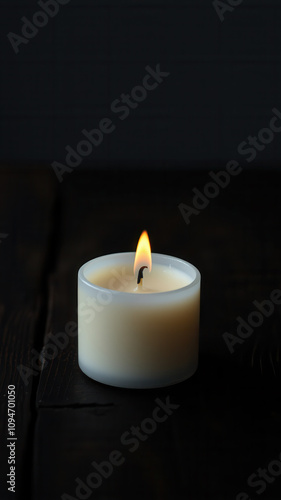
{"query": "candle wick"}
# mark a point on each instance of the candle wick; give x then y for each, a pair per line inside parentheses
(140, 275)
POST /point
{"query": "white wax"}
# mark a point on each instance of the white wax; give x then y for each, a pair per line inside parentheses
(135, 338)
(160, 279)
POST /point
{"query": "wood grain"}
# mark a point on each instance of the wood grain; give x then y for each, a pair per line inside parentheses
(26, 204)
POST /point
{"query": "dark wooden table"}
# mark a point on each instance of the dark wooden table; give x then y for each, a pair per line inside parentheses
(224, 427)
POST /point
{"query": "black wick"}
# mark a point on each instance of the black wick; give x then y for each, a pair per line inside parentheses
(140, 275)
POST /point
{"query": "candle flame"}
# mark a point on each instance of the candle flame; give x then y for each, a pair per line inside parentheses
(143, 253)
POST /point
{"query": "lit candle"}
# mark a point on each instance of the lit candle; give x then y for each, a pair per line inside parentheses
(138, 318)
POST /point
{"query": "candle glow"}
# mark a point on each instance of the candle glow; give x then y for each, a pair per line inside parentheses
(143, 253)
(138, 335)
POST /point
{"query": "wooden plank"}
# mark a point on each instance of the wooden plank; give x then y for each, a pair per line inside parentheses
(26, 203)
(216, 436)
(73, 438)
(228, 417)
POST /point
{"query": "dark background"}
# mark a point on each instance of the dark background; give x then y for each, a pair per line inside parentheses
(224, 81)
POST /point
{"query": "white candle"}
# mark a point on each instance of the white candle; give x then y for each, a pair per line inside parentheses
(138, 336)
